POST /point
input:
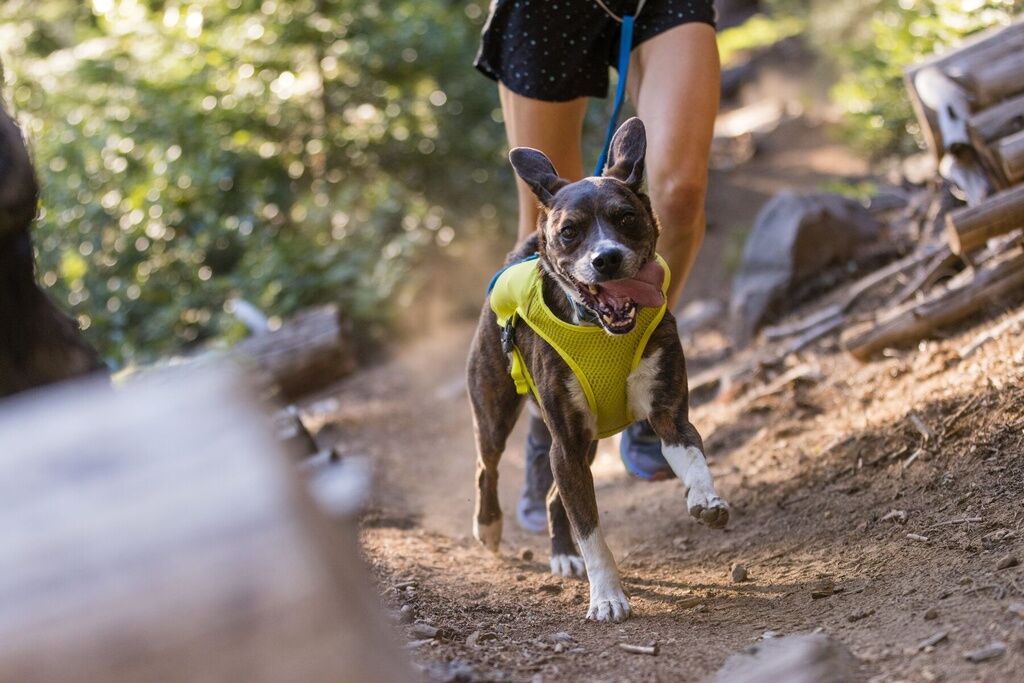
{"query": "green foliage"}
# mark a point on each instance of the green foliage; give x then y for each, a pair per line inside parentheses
(757, 32)
(870, 42)
(285, 152)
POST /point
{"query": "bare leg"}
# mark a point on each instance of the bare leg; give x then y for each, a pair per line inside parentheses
(552, 127)
(674, 83)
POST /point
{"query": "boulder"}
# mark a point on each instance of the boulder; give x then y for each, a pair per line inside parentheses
(794, 237)
(805, 658)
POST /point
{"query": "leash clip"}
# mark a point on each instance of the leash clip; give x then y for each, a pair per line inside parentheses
(508, 335)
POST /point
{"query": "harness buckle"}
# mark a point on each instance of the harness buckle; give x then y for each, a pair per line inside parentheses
(508, 335)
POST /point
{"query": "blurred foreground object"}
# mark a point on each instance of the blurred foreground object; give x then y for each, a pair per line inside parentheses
(159, 533)
(308, 352)
(38, 343)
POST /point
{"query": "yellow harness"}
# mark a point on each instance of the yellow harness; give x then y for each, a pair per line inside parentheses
(601, 362)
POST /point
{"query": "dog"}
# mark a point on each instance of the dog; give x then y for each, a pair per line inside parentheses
(597, 271)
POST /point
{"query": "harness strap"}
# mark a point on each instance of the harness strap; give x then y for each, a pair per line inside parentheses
(625, 46)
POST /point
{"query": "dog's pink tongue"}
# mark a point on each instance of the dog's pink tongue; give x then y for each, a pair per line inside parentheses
(644, 288)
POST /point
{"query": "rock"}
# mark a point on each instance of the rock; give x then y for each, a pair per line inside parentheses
(860, 614)
(738, 572)
(822, 592)
(423, 631)
(472, 638)
(559, 648)
(406, 614)
(526, 554)
(1007, 562)
(808, 658)
(794, 236)
(918, 537)
(688, 602)
(559, 637)
(931, 613)
(698, 314)
(1016, 608)
(899, 516)
(455, 671)
(990, 651)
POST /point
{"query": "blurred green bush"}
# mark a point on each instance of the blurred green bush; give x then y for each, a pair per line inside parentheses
(285, 152)
(870, 42)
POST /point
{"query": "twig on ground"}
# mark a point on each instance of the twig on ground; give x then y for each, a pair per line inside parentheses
(926, 432)
(992, 333)
(640, 649)
(959, 520)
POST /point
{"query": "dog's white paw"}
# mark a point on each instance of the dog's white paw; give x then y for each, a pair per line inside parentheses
(707, 507)
(568, 565)
(488, 534)
(608, 606)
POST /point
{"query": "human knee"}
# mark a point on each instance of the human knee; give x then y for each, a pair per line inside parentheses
(678, 195)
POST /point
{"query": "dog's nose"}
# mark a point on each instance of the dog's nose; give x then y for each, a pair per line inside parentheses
(607, 262)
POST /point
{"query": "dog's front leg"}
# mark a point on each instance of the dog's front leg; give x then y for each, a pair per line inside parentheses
(575, 484)
(658, 392)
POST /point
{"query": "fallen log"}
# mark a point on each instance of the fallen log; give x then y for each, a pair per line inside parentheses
(906, 326)
(835, 311)
(308, 352)
(997, 121)
(1011, 152)
(158, 533)
(970, 227)
(999, 79)
(983, 49)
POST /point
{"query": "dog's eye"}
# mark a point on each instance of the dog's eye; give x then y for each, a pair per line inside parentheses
(568, 232)
(627, 218)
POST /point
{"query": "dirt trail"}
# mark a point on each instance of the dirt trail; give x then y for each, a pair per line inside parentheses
(813, 473)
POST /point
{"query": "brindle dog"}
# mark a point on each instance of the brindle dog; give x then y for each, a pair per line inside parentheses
(597, 230)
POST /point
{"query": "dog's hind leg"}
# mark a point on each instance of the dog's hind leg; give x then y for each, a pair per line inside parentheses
(496, 406)
(565, 558)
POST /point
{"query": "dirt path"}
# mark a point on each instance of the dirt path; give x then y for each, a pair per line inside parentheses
(811, 473)
(814, 473)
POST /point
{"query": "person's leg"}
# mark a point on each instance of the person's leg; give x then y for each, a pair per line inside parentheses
(674, 81)
(555, 129)
(552, 127)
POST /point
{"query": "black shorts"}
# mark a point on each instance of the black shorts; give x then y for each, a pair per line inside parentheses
(559, 50)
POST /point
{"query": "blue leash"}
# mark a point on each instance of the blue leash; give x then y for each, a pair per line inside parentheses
(625, 46)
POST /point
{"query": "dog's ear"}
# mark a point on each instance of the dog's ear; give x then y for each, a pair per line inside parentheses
(626, 154)
(537, 171)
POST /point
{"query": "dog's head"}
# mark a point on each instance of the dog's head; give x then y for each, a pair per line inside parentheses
(597, 236)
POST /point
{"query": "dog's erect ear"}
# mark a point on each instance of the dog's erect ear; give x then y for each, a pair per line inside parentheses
(537, 171)
(626, 154)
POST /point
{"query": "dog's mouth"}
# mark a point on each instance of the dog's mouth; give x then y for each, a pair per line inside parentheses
(615, 302)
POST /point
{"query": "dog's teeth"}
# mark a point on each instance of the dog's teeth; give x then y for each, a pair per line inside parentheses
(593, 289)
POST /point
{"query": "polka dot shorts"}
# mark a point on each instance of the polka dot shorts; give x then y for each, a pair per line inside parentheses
(559, 50)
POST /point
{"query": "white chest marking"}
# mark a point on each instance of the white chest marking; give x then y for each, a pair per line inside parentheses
(640, 385)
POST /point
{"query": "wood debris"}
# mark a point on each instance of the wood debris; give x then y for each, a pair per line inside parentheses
(651, 650)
